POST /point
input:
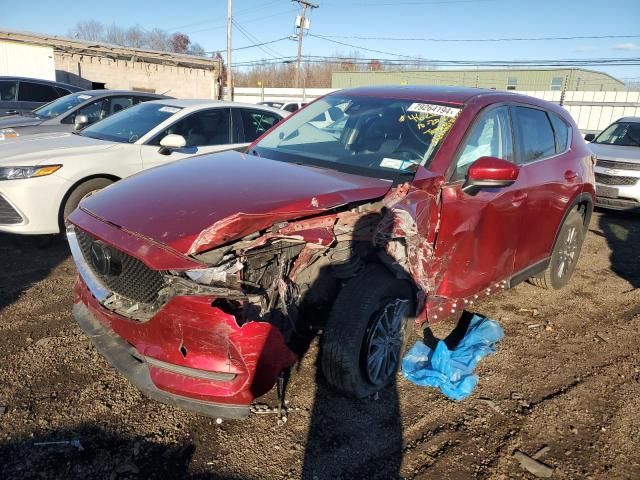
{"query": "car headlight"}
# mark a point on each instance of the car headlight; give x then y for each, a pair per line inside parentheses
(8, 133)
(15, 173)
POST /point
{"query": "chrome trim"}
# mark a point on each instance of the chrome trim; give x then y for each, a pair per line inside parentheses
(190, 372)
(93, 282)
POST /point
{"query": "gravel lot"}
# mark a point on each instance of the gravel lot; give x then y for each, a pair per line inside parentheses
(566, 376)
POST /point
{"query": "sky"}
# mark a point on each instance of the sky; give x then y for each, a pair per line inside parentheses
(266, 20)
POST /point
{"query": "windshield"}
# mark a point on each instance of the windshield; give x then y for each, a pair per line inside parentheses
(380, 137)
(129, 125)
(61, 105)
(625, 134)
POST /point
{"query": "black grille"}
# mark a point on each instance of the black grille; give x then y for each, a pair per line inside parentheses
(136, 281)
(615, 180)
(619, 165)
(8, 214)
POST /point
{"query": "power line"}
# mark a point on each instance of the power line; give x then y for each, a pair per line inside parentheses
(255, 41)
(514, 39)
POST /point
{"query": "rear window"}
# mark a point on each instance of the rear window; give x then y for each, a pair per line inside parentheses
(561, 130)
(535, 134)
(36, 92)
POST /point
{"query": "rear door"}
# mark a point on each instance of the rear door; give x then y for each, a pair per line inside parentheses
(545, 158)
(32, 94)
(479, 233)
(205, 131)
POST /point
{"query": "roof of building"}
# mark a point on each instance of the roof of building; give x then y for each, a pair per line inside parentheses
(73, 45)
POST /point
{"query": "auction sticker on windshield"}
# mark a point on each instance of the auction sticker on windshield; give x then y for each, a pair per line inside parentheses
(433, 109)
(84, 96)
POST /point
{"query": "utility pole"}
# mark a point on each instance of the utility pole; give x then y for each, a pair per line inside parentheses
(305, 4)
(229, 76)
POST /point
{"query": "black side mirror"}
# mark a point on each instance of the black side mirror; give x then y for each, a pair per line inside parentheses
(589, 137)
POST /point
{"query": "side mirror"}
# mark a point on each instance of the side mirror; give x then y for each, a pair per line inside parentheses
(80, 122)
(490, 172)
(170, 143)
(589, 137)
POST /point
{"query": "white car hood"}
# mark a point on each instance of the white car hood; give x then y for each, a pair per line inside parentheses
(48, 147)
(616, 152)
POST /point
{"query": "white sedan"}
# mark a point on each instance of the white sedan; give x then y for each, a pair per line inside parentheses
(43, 177)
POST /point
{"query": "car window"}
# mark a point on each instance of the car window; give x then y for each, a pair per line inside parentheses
(8, 91)
(292, 107)
(36, 92)
(129, 125)
(561, 130)
(256, 122)
(101, 109)
(204, 128)
(62, 91)
(625, 134)
(490, 136)
(535, 135)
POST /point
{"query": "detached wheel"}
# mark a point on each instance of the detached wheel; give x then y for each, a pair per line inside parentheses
(565, 254)
(366, 332)
(81, 191)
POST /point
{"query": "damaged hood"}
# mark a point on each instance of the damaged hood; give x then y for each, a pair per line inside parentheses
(196, 204)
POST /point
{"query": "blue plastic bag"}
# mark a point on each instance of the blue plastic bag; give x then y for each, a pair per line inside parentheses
(452, 370)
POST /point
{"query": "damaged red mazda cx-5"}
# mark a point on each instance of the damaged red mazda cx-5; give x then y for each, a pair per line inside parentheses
(204, 280)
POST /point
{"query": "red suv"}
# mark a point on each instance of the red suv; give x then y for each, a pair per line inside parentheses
(202, 281)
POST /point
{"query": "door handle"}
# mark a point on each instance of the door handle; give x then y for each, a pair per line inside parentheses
(518, 198)
(570, 175)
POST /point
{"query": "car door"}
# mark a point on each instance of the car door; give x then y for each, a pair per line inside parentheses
(251, 123)
(205, 131)
(545, 159)
(32, 94)
(479, 231)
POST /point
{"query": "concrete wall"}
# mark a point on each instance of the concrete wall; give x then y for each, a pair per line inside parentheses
(592, 111)
(179, 82)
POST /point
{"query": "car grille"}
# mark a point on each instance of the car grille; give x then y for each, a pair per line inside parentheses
(136, 281)
(615, 180)
(619, 165)
(8, 214)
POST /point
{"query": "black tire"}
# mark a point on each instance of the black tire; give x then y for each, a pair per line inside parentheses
(565, 254)
(79, 192)
(349, 335)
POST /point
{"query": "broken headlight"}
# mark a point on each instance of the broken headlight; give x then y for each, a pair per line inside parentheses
(217, 274)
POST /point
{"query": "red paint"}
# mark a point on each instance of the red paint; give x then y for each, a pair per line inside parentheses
(461, 246)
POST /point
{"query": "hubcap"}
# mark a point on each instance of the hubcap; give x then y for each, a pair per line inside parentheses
(384, 341)
(567, 254)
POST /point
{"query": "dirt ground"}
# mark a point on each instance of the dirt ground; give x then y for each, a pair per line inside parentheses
(566, 376)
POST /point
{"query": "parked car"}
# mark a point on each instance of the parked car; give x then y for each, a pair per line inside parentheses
(202, 280)
(44, 176)
(288, 106)
(71, 112)
(20, 94)
(618, 165)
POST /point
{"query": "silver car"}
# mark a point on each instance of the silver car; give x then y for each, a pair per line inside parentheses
(618, 167)
(71, 112)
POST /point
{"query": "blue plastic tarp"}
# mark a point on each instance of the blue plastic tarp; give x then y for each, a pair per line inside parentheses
(452, 370)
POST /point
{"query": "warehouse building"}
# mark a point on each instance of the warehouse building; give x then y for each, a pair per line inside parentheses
(573, 79)
(99, 65)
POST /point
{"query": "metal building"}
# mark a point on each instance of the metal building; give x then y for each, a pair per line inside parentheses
(99, 65)
(575, 79)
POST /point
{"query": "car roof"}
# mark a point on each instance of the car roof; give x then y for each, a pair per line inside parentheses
(628, 120)
(74, 88)
(202, 103)
(104, 92)
(446, 94)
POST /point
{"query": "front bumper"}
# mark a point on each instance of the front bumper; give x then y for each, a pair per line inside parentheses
(615, 194)
(124, 358)
(37, 202)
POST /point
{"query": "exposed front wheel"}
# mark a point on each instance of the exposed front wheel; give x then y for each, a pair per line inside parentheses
(565, 254)
(366, 332)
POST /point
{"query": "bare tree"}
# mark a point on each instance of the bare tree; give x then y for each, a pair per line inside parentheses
(115, 34)
(91, 30)
(196, 49)
(136, 37)
(159, 40)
